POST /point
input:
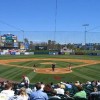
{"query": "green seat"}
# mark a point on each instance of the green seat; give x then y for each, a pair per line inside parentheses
(31, 86)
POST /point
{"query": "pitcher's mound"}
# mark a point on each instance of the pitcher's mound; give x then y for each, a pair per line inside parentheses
(49, 71)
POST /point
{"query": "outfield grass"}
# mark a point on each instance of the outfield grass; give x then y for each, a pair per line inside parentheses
(50, 56)
(82, 74)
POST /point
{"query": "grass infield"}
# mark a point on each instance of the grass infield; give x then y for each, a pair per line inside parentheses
(82, 74)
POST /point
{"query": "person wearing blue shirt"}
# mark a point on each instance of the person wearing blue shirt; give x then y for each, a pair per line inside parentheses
(38, 94)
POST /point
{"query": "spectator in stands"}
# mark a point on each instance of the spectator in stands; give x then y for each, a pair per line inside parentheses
(3, 96)
(42, 86)
(94, 95)
(77, 83)
(54, 95)
(28, 90)
(2, 85)
(52, 85)
(67, 84)
(25, 80)
(67, 93)
(95, 89)
(38, 94)
(16, 88)
(98, 83)
(62, 85)
(22, 94)
(8, 90)
(93, 83)
(88, 83)
(48, 88)
(81, 93)
(59, 89)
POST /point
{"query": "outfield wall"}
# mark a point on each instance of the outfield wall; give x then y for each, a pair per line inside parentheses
(49, 53)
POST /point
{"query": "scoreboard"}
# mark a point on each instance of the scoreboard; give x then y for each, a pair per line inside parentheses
(8, 40)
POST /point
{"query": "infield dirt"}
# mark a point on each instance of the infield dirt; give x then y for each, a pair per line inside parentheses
(49, 70)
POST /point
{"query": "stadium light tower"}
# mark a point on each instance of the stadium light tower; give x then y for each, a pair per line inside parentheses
(23, 34)
(85, 26)
(55, 21)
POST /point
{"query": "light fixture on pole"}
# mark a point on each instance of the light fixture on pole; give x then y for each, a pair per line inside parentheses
(55, 28)
(85, 25)
(23, 34)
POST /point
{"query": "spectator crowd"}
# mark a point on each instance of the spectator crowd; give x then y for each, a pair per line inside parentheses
(41, 91)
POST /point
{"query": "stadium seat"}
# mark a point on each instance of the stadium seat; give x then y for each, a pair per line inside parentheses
(94, 97)
(78, 98)
(70, 98)
(49, 94)
(64, 97)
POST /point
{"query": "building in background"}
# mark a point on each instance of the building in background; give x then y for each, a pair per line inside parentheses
(65, 50)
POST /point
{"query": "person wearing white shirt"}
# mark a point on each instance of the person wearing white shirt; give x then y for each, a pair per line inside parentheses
(26, 80)
(59, 89)
(8, 91)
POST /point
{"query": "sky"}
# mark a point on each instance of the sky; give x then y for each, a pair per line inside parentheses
(37, 19)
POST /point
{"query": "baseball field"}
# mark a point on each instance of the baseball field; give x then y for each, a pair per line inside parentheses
(83, 68)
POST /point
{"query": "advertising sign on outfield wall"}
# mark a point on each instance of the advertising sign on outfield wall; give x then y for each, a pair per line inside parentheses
(17, 53)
